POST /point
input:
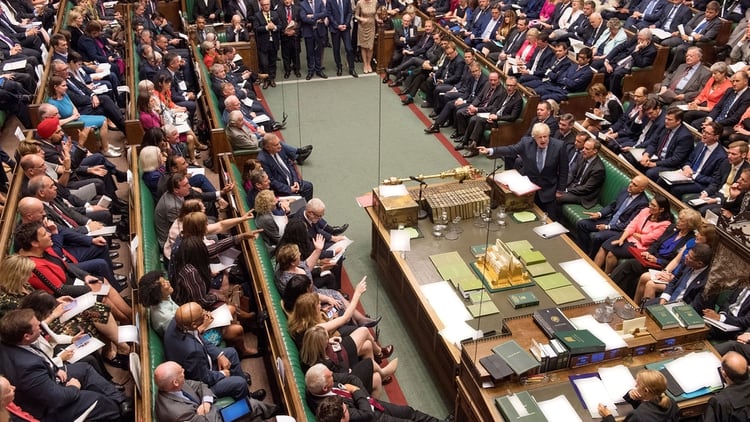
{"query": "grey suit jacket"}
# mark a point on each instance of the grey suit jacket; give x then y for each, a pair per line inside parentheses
(239, 139)
(165, 213)
(694, 85)
(170, 407)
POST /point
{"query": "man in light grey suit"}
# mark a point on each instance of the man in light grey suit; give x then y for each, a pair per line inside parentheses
(169, 205)
(684, 84)
(239, 135)
(188, 400)
(545, 162)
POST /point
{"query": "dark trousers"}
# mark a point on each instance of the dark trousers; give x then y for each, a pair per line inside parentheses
(313, 50)
(235, 385)
(336, 38)
(589, 238)
(449, 111)
(267, 60)
(290, 52)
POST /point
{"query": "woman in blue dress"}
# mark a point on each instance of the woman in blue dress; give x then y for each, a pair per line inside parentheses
(57, 95)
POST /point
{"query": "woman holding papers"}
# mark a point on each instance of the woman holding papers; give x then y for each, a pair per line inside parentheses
(642, 231)
(649, 400)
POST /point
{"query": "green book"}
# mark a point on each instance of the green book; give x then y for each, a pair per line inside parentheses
(564, 294)
(552, 281)
(479, 296)
(524, 216)
(523, 299)
(530, 257)
(520, 407)
(518, 359)
(687, 315)
(662, 316)
(478, 250)
(468, 284)
(519, 245)
(537, 270)
(580, 341)
(483, 309)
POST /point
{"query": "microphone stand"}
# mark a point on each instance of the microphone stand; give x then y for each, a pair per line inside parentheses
(422, 213)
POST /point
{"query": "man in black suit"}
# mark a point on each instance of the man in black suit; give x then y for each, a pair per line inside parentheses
(405, 40)
(566, 134)
(646, 13)
(312, 13)
(733, 402)
(652, 120)
(674, 14)
(267, 33)
(285, 180)
(460, 96)
(449, 73)
(738, 201)
(613, 218)
(545, 162)
(238, 7)
(703, 28)
(689, 285)
(588, 179)
(514, 41)
(702, 165)
(728, 111)
(670, 149)
(236, 30)
(540, 61)
(290, 41)
(209, 9)
(556, 61)
(321, 383)
(724, 177)
(544, 115)
(630, 122)
(486, 101)
(43, 389)
(339, 23)
(639, 51)
(509, 106)
(735, 311)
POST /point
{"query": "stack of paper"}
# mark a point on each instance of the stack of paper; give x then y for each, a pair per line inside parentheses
(444, 301)
(600, 330)
(518, 184)
(618, 380)
(592, 392)
(559, 409)
(589, 279)
(695, 371)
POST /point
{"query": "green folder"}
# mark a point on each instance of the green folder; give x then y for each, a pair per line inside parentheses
(519, 245)
(452, 267)
(469, 284)
(565, 294)
(481, 309)
(530, 257)
(533, 412)
(552, 281)
(479, 296)
(540, 269)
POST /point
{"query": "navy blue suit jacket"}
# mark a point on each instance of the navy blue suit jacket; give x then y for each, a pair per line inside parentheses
(735, 112)
(635, 206)
(334, 14)
(682, 16)
(186, 350)
(678, 149)
(693, 290)
(706, 176)
(276, 173)
(574, 79)
(310, 27)
(553, 176)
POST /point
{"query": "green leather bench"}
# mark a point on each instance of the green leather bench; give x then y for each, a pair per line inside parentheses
(615, 180)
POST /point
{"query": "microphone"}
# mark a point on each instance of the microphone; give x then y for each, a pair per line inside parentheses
(416, 179)
(492, 173)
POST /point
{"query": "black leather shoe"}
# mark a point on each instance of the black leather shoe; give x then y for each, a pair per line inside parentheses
(117, 265)
(372, 322)
(386, 79)
(286, 75)
(353, 73)
(459, 147)
(277, 126)
(127, 408)
(273, 83)
(446, 123)
(309, 76)
(113, 245)
(322, 75)
(114, 255)
(305, 148)
(408, 100)
(302, 155)
(298, 74)
(337, 230)
(426, 105)
(432, 129)
(432, 115)
(258, 394)
(266, 83)
(339, 72)
(456, 135)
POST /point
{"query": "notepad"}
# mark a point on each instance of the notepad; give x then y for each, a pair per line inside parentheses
(552, 281)
(483, 309)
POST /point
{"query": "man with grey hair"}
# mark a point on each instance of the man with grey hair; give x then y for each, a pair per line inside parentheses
(638, 51)
(239, 134)
(545, 162)
(684, 84)
(322, 383)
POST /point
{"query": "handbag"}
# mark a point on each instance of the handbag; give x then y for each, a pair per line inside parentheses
(643, 261)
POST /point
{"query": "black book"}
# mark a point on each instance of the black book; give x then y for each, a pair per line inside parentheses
(496, 366)
(552, 320)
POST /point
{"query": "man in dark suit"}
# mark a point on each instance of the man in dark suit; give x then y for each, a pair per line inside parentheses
(209, 9)
(630, 122)
(674, 14)
(393, 7)
(485, 34)
(322, 383)
(735, 311)
(566, 134)
(728, 111)
(182, 399)
(687, 81)
(281, 169)
(733, 402)
(544, 115)
(339, 23)
(652, 120)
(478, 21)
(575, 79)
(670, 149)
(545, 162)
(588, 179)
(725, 175)
(267, 24)
(613, 218)
(639, 51)
(404, 40)
(689, 285)
(738, 201)
(218, 368)
(238, 7)
(290, 42)
(461, 95)
(486, 101)
(702, 165)
(449, 73)
(546, 61)
(43, 389)
(312, 13)
(509, 106)
(703, 27)
(236, 30)
(646, 13)
(514, 41)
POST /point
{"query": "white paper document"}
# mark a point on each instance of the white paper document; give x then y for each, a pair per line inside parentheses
(675, 177)
(550, 230)
(222, 317)
(728, 328)
(618, 380)
(91, 346)
(78, 305)
(387, 191)
(104, 231)
(593, 392)
(558, 409)
(601, 330)
(518, 184)
(695, 371)
(591, 281)
(14, 65)
(127, 334)
(445, 302)
(660, 33)
(261, 118)
(341, 244)
(219, 267)
(736, 67)
(637, 153)
(229, 256)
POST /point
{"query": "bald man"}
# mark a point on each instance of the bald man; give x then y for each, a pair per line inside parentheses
(218, 368)
(733, 402)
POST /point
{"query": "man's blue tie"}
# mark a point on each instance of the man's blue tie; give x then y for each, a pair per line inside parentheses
(681, 284)
(699, 159)
(616, 216)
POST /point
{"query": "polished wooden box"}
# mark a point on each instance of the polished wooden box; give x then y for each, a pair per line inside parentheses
(395, 211)
(501, 195)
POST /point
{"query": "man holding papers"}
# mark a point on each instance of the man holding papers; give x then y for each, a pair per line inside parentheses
(545, 162)
(727, 173)
(733, 402)
(735, 311)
